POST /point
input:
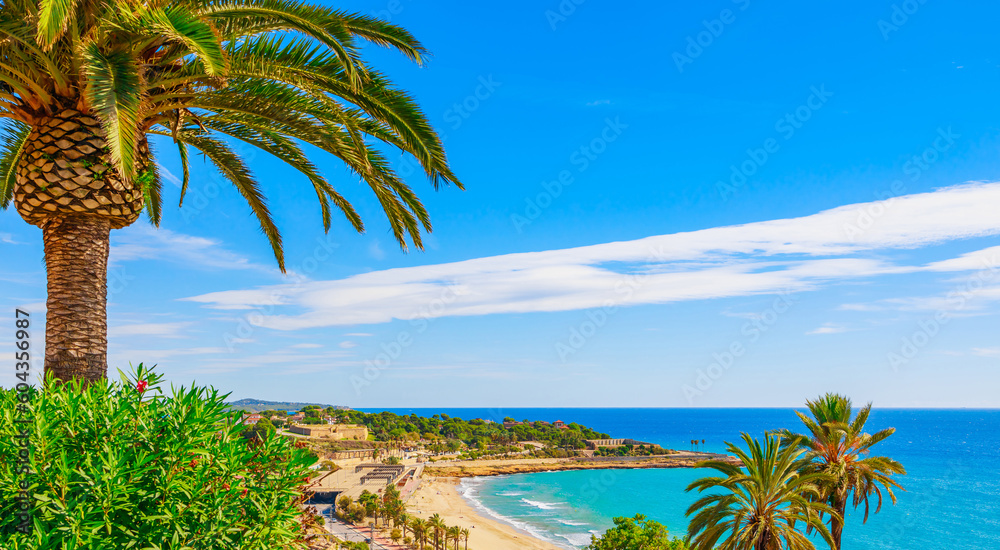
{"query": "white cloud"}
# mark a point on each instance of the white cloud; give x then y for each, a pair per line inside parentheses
(121, 357)
(347, 344)
(306, 346)
(359, 334)
(987, 258)
(986, 352)
(169, 330)
(143, 242)
(829, 328)
(792, 254)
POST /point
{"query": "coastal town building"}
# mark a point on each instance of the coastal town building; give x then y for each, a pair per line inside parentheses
(594, 444)
(331, 431)
(251, 419)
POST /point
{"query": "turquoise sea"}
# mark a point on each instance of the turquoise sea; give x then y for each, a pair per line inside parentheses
(952, 457)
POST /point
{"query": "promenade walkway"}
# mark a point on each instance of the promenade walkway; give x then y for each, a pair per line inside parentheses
(350, 533)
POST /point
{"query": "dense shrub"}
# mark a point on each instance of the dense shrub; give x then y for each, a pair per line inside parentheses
(123, 465)
(636, 533)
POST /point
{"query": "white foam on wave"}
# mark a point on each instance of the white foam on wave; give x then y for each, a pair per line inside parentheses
(468, 491)
(543, 505)
(572, 523)
(576, 539)
(509, 494)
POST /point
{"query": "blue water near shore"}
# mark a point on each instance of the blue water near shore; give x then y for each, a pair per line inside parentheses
(952, 458)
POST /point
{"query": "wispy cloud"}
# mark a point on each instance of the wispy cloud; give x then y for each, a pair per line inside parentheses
(7, 238)
(142, 242)
(829, 328)
(986, 352)
(166, 330)
(792, 254)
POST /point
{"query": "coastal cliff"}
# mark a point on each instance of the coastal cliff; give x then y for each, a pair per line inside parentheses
(471, 468)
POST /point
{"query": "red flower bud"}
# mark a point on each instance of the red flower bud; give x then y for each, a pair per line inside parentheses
(225, 486)
(141, 386)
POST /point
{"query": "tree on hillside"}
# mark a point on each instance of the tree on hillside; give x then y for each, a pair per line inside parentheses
(637, 533)
(837, 446)
(261, 430)
(758, 504)
(85, 84)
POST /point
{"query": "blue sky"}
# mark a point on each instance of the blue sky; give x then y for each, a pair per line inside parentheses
(720, 204)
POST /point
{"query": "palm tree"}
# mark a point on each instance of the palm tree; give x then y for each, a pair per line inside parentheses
(756, 505)
(370, 503)
(465, 535)
(84, 85)
(437, 524)
(403, 521)
(419, 529)
(454, 533)
(837, 446)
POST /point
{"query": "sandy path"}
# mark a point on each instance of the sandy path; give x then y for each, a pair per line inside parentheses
(440, 495)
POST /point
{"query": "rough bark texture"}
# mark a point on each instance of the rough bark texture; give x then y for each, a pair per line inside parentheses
(65, 169)
(837, 527)
(67, 185)
(76, 333)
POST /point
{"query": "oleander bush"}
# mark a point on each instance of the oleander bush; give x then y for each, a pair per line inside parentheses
(126, 465)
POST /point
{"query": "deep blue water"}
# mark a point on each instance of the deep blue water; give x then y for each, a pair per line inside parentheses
(952, 457)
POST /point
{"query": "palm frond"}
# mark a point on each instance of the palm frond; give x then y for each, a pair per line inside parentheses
(113, 92)
(53, 18)
(234, 169)
(12, 139)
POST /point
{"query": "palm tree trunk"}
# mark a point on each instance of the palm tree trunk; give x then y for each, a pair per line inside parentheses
(837, 527)
(76, 333)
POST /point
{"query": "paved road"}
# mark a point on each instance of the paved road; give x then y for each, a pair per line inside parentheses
(344, 531)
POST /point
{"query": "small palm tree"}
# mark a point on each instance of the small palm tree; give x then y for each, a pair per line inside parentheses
(437, 524)
(403, 521)
(84, 85)
(465, 536)
(837, 446)
(759, 502)
(455, 534)
(419, 529)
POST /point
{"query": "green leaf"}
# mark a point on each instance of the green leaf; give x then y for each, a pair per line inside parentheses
(12, 140)
(53, 17)
(113, 92)
(233, 168)
(180, 24)
(183, 152)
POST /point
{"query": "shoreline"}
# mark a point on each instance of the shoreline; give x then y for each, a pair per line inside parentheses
(441, 495)
(478, 468)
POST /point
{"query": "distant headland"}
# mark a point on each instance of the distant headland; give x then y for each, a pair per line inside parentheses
(258, 405)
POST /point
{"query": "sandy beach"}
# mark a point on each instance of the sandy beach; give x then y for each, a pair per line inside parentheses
(440, 495)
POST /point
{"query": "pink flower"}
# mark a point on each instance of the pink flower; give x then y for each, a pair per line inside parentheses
(141, 386)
